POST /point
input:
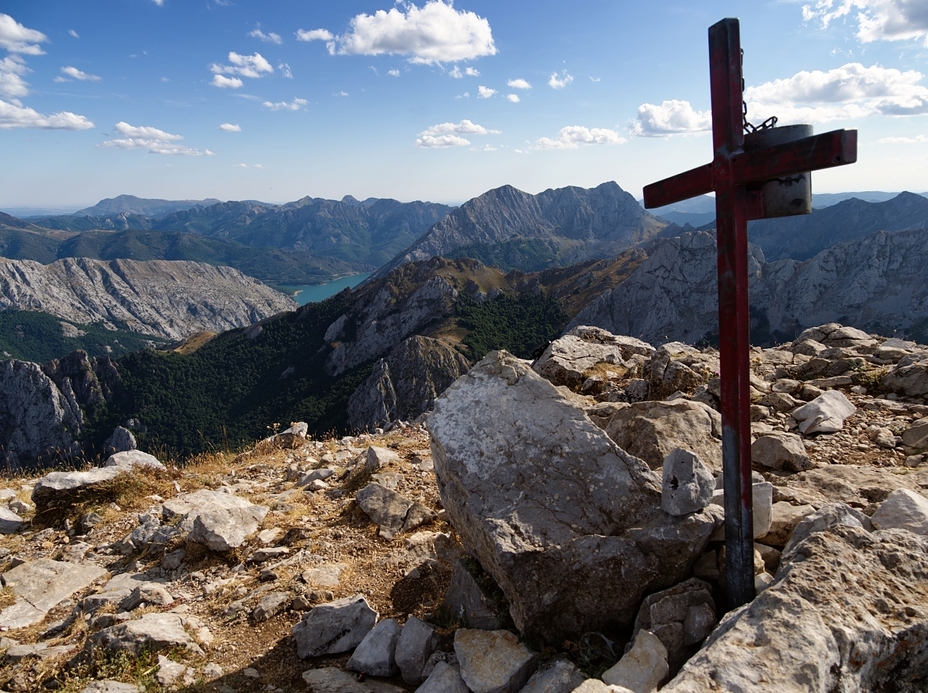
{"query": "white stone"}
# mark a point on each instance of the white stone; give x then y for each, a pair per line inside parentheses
(687, 483)
(824, 414)
(643, 668)
(902, 509)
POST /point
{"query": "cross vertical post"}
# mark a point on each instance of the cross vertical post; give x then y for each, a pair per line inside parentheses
(737, 178)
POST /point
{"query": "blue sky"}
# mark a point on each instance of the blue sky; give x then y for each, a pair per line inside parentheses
(279, 99)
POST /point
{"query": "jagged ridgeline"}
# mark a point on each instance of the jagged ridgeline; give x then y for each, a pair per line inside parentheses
(306, 365)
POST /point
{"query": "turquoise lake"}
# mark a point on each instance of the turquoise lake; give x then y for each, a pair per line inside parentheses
(314, 293)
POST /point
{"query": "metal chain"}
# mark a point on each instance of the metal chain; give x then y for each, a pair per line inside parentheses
(748, 126)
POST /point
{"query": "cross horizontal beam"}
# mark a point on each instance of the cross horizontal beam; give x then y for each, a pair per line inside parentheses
(829, 149)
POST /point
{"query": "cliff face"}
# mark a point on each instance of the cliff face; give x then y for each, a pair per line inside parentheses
(160, 298)
(876, 283)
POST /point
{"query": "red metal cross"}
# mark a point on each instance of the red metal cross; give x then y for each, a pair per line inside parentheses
(736, 177)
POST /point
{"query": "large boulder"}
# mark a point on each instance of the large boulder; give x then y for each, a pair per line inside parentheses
(568, 524)
(652, 430)
(847, 612)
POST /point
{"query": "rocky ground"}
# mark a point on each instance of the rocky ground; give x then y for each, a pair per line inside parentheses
(262, 571)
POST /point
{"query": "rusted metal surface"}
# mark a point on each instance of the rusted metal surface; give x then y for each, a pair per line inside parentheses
(736, 177)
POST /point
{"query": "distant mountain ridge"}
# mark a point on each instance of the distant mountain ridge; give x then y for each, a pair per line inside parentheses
(558, 227)
(130, 204)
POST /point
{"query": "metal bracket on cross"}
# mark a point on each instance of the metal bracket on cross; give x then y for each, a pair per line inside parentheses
(738, 176)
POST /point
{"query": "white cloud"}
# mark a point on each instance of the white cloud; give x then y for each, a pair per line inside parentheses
(394, 72)
(573, 136)
(80, 75)
(341, 93)
(670, 118)
(485, 92)
(556, 82)
(16, 38)
(252, 66)
(514, 98)
(267, 38)
(449, 134)
(434, 33)
(314, 35)
(465, 95)
(226, 82)
(484, 148)
(285, 70)
(159, 3)
(594, 80)
(241, 165)
(877, 20)
(230, 127)
(15, 115)
(918, 139)
(154, 140)
(12, 67)
(456, 73)
(294, 105)
(73, 33)
(849, 91)
(518, 84)
(260, 166)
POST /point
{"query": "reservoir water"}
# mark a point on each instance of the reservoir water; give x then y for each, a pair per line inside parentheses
(313, 293)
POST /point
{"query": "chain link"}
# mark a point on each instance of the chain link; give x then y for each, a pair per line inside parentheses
(746, 124)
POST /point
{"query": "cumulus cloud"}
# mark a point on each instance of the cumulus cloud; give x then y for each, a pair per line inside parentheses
(573, 136)
(74, 73)
(514, 98)
(556, 82)
(16, 38)
(877, 20)
(314, 35)
(394, 72)
(518, 84)
(252, 66)
(457, 73)
(434, 33)
(230, 127)
(73, 33)
(285, 70)
(226, 82)
(154, 140)
(485, 92)
(267, 38)
(670, 118)
(15, 115)
(12, 68)
(446, 135)
(294, 105)
(849, 91)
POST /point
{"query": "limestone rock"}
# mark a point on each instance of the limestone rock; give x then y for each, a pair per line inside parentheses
(680, 617)
(405, 384)
(678, 367)
(41, 423)
(376, 654)
(843, 614)
(492, 661)
(333, 680)
(390, 511)
(270, 605)
(783, 520)
(445, 678)
(560, 676)
(153, 631)
(910, 379)
(652, 430)
(416, 643)
(110, 687)
(830, 515)
(903, 509)
(10, 522)
(916, 435)
(39, 585)
(559, 518)
(338, 626)
(133, 458)
(121, 440)
(824, 414)
(570, 359)
(56, 485)
(220, 521)
(687, 483)
(643, 668)
(466, 601)
(762, 503)
(781, 451)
